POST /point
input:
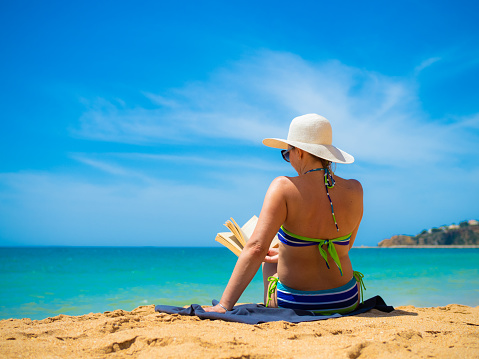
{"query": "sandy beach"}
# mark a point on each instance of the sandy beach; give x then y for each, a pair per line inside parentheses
(407, 332)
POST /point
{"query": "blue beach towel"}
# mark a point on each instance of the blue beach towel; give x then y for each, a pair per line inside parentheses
(258, 313)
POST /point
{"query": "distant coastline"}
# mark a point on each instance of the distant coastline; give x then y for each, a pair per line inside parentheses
(462, 235)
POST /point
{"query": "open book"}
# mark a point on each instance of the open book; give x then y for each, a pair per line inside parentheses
(236, 239)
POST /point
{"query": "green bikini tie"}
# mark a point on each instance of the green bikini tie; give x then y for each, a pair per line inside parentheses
(273, 283)
(331, 249)
(332, 252)
(359, 278)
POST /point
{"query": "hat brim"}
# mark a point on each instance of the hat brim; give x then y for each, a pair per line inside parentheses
(328, 152)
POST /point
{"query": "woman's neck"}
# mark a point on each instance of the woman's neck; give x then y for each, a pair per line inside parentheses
(311, 166)
(303, 162)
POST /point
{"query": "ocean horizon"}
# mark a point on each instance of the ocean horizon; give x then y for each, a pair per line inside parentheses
(40, 282)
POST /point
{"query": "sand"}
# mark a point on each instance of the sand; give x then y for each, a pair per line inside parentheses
(407, 332)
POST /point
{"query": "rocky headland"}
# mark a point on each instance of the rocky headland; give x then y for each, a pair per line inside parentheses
(465, 233)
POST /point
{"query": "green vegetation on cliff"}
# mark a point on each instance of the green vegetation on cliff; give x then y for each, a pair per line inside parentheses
(466, 233)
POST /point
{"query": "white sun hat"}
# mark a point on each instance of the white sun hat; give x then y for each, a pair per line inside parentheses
(313, 134)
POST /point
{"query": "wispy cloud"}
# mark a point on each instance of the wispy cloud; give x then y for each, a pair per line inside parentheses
(376, 117)
(218, 162)
(406, 160)
(425, 64)
(153, 169)
(112, 169)
(61, 209)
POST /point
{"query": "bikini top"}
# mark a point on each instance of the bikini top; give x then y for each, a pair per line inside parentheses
(294, 240)
(329, 182)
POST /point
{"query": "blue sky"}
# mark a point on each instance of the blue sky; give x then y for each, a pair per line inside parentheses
(140, 123)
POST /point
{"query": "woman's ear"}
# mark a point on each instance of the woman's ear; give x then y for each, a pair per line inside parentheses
(300, 152)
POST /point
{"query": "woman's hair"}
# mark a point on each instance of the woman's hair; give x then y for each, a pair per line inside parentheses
(326, 164)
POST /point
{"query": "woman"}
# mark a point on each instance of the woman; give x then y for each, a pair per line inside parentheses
(311, 269)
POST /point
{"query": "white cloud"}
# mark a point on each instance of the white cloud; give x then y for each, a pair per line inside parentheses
(425, 64)
(406, 161)
(375, 117)
(112, 169)
(146, 169)
(218, 162)
(59, 209)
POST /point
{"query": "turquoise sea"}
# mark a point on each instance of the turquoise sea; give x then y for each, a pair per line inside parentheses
(39, 282)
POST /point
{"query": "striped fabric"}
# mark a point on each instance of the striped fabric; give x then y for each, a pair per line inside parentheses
(340, 300)
(294, 240)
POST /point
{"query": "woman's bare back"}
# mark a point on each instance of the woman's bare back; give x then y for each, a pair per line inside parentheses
(309, 215)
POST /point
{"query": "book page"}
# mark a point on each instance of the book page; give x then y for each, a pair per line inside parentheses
(243, 237)
(229, 241)
(237, 238)
(249, 226)
(236, 230)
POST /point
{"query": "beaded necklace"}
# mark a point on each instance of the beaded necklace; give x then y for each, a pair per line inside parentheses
(328, 183)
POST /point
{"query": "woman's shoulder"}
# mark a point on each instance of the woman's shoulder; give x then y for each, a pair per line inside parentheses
(282, 182)
(350, 184)
(284, 185)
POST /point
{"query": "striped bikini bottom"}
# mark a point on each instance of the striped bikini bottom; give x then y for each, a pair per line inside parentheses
(339, 300)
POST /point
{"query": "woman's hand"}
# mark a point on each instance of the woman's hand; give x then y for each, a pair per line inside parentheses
(272, 255)
(217, 308)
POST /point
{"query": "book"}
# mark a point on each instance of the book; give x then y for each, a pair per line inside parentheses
(236, 238)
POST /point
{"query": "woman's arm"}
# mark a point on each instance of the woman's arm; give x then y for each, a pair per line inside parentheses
(273, 214)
